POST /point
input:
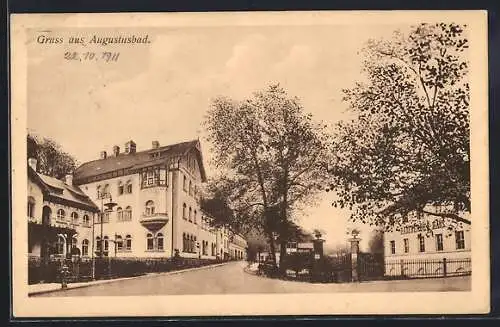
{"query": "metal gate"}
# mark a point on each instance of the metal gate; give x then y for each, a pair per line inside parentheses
(370, 266)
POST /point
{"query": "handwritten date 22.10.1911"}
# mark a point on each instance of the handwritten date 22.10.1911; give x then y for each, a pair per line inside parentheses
(92, 56)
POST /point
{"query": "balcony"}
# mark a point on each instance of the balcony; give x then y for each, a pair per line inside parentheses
(154, 221)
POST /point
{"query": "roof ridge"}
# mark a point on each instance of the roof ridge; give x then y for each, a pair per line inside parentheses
(139, 152)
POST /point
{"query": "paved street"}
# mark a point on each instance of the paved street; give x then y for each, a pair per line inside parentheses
(232, 279)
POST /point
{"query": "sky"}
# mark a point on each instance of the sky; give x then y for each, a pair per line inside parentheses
(161, 91)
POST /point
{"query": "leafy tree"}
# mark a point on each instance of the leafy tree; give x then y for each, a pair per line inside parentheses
(271, 156)
(406, 151)
(52, 160)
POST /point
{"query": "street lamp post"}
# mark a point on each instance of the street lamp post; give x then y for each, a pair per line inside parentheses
(109, 208)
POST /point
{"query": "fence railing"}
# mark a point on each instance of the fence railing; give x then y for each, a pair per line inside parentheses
(421, 268)
(106, 268)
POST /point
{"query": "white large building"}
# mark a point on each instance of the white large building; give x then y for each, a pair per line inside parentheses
(157, 196)
(423, 242)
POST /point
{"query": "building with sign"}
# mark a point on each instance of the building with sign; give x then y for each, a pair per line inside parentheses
(157, 196)
(427, 240)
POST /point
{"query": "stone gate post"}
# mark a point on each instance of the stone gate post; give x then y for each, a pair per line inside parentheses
(354, 258)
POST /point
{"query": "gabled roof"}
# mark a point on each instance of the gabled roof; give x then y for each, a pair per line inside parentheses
(55, 190)
(138, 160)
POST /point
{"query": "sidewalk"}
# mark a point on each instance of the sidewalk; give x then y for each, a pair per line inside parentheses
(56, 287)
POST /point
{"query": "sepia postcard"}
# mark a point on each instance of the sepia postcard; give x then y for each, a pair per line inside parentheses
(249, 163)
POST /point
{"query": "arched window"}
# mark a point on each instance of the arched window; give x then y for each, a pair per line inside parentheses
(128, 243)
(190, 188)
(184, 183)
(184, 213)
(61, 215)
(74, 217)
(106, 245)
(98, 188)
(60, 245)
(31, 207)
(159, 241)
(150, 241)
(128, 213)
(150, 208)
(85, 247)
(190, 214)
(86, 220)
(98, 244)
(129, 187)
(119, 214)
(119, 243)
(194, 218)
(105, 191)
(120, 188)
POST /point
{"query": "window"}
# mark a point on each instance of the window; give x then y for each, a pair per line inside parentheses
(129, 187)
(184, 183)
(150, 208)
(184, 213)
(393, 247)
(105, 217)
(98, 191)
(60, 245)
(150, 179)
(86, 220)
(106, 244)
(105, 191)
(190, 188)
(163, 177)
(120, 188)
(119, 214)
(150, 241)
(204, 248)
(31, 207)
(406, 245)
(190, 214)
(194, 218)
(98, 244)
(128, 243)
(74, 217)
(159, 241)
(439, 242)
(85, 247)
(460, 240)
(421, 242)
(195, 245)
(61, 215)
(119, 243)
(127, 214)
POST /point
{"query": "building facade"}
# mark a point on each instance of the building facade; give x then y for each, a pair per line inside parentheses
(60, 217)
(156, 203)
(421, 245)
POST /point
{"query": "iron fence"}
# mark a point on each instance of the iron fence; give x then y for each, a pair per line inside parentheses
(427, 268)
(106, 268)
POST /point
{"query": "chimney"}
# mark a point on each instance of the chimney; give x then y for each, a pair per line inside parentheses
(155, 144)
(130, 147)
(69, 179)
(32, 163)
(116, 150)
(103, 155)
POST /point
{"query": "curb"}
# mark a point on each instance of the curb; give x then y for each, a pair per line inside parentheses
(127, 278)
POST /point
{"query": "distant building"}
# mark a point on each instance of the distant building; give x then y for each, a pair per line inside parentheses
(60, 217)
(426, 238)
